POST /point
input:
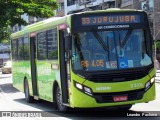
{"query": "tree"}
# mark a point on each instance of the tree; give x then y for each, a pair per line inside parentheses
(11, 11)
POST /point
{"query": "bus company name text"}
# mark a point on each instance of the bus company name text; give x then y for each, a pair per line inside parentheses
(114, 19)
(21, 114)
(142, 114)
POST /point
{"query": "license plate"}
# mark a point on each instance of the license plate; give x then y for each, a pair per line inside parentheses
(120, 98)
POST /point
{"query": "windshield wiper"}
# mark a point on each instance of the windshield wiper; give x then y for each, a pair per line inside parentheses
(108, 51)
(126, 38)
(100, 40)
(81, 57)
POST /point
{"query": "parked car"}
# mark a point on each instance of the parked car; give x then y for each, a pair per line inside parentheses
(7, 67)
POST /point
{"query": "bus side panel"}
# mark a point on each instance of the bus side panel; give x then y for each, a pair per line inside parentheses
(55, 75)
(16, 81)
(20, 70)
(45, 79)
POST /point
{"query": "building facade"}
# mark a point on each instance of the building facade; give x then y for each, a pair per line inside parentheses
(29, 19)
(157, 19)
(61, 10)
(73, 6)
(153, 10)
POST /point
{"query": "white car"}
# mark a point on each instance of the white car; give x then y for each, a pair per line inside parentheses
(7, 67)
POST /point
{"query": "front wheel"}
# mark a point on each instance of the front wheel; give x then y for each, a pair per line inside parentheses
(58, 101)
(28, 98)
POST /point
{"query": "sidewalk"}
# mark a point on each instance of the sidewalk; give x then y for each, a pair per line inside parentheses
(157, 76)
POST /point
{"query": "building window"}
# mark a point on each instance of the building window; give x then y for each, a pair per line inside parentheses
(71, 2)
(124, 1)
(144, 5)
(151, 5)
(61, 7)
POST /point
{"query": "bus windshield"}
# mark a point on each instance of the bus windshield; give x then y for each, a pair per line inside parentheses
(108, 50)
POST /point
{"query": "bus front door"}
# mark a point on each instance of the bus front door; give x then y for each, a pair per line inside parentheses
(33, 65)
(64, 68)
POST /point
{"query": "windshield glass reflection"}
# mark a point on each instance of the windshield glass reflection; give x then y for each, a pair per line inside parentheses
(106, 50)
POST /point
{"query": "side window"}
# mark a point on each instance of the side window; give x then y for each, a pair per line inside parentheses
(14, 49)
(41, 52)
(20, 49)
(26, 48)
(52, 44)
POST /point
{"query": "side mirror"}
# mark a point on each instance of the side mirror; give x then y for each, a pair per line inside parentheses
(67, 43)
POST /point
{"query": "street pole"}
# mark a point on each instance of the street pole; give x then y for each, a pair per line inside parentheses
(65, 7)
(152, 27)
(103, 5)
(85, 3)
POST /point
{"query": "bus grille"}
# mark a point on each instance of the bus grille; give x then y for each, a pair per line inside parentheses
(108, 97)
(118, 77)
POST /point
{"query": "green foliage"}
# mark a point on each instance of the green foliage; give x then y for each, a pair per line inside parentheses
(158, 44)
(11, 11)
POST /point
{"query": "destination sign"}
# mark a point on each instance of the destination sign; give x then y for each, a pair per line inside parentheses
(110, 19)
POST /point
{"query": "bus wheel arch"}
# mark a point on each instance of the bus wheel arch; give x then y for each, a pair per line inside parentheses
(57, 98)
(28, 98)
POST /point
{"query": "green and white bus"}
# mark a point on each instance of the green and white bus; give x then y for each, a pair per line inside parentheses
(86, 60)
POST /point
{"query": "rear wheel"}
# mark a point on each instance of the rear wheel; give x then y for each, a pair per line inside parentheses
(58, 101)
(28, 98)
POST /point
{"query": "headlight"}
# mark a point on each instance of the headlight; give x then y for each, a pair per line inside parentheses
(88, 91)
(149, 84)
(152, 80)
(83, 88)
(79, 86)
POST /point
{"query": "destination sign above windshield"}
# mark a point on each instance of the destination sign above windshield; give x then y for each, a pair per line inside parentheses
(110, 19)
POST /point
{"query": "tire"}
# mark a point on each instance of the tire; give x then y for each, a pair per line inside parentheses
(125, 108)
(28, 98)
(58, 101)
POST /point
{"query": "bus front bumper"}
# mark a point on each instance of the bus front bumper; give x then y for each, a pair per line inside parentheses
(82, 100)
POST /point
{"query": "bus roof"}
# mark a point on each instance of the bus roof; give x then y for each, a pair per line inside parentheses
(42, 25)
(110, 10)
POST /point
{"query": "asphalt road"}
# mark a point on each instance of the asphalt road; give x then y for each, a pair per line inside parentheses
(13, 100)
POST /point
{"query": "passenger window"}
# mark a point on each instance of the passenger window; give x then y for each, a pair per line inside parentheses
(20, 49)
(41, 52)
(14, 49)
(52, 44)
(26, 48)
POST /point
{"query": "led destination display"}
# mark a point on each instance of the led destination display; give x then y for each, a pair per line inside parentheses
(111, 19)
